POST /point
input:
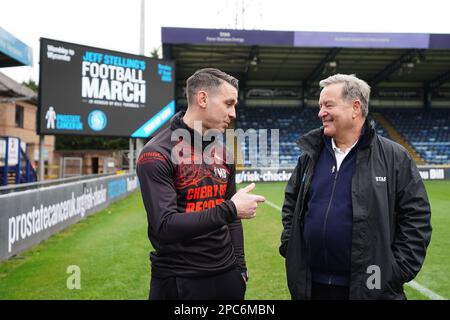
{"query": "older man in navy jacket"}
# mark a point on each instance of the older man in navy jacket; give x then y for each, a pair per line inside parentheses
(356, 214)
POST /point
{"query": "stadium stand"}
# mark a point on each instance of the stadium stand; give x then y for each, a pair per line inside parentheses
(279, 82)
(286, 120)
(426, 130)
(291, 122)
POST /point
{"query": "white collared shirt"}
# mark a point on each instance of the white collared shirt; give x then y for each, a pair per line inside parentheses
(339, 154)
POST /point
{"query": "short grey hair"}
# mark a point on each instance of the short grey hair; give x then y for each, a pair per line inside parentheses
(207, 79)
(354, 88)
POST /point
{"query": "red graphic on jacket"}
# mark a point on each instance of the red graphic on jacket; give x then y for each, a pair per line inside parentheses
(203, 186)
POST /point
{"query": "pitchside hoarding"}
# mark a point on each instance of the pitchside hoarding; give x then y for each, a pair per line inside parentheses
(91, 91)
(263, 175)
(248, 175)
(31, 216)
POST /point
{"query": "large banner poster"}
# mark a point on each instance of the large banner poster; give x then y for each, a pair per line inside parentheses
(91, 91)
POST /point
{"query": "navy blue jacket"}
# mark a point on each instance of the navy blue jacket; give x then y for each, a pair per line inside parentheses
(328, 219)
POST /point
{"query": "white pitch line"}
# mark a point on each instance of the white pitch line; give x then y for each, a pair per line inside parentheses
(413, 284)
(425, 291)
(273, 205)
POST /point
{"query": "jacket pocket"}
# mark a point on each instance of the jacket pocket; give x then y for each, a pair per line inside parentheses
(398, 277)
(394, 286)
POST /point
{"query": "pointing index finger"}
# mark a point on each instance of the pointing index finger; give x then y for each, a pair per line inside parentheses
(249, 188)
(258, 198)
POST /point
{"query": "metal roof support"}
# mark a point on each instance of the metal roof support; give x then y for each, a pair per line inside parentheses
(167, 51)
(306, 84)
(394, 66)
(439, 80)
(252, 58)
(253, 54)
(429, 85)
(243, 77)
(331, 55)
(426, 96)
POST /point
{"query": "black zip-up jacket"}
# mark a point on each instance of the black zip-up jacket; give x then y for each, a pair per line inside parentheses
(391, 219)
(192, 223)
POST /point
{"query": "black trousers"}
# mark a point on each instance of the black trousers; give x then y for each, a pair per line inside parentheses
(226, 286)
(321, 291)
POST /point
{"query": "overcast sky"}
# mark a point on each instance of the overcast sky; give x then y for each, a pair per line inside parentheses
(114, 24)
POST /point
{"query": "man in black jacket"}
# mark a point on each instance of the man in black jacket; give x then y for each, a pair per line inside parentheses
(189, 192)
(356, 214)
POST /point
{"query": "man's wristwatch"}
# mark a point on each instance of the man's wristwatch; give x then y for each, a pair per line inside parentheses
(245, 275)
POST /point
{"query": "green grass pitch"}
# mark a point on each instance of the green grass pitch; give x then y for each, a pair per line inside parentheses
(111, 248)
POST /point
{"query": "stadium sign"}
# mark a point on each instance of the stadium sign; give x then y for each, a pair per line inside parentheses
(275, 175)
(263, 175)
(434, 173)
(31, 216)
(304, 39)
(91, 91)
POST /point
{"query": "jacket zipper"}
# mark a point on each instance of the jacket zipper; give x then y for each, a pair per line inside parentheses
(326, 219)
(305, 190)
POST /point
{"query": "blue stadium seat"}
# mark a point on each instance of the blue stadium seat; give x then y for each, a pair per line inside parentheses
(291, 123)
(428, 131)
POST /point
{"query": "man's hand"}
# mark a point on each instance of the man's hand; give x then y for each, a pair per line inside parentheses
(246, 203)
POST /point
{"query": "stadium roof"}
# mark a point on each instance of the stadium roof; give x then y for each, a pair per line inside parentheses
(14, 52)
(303, 58)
